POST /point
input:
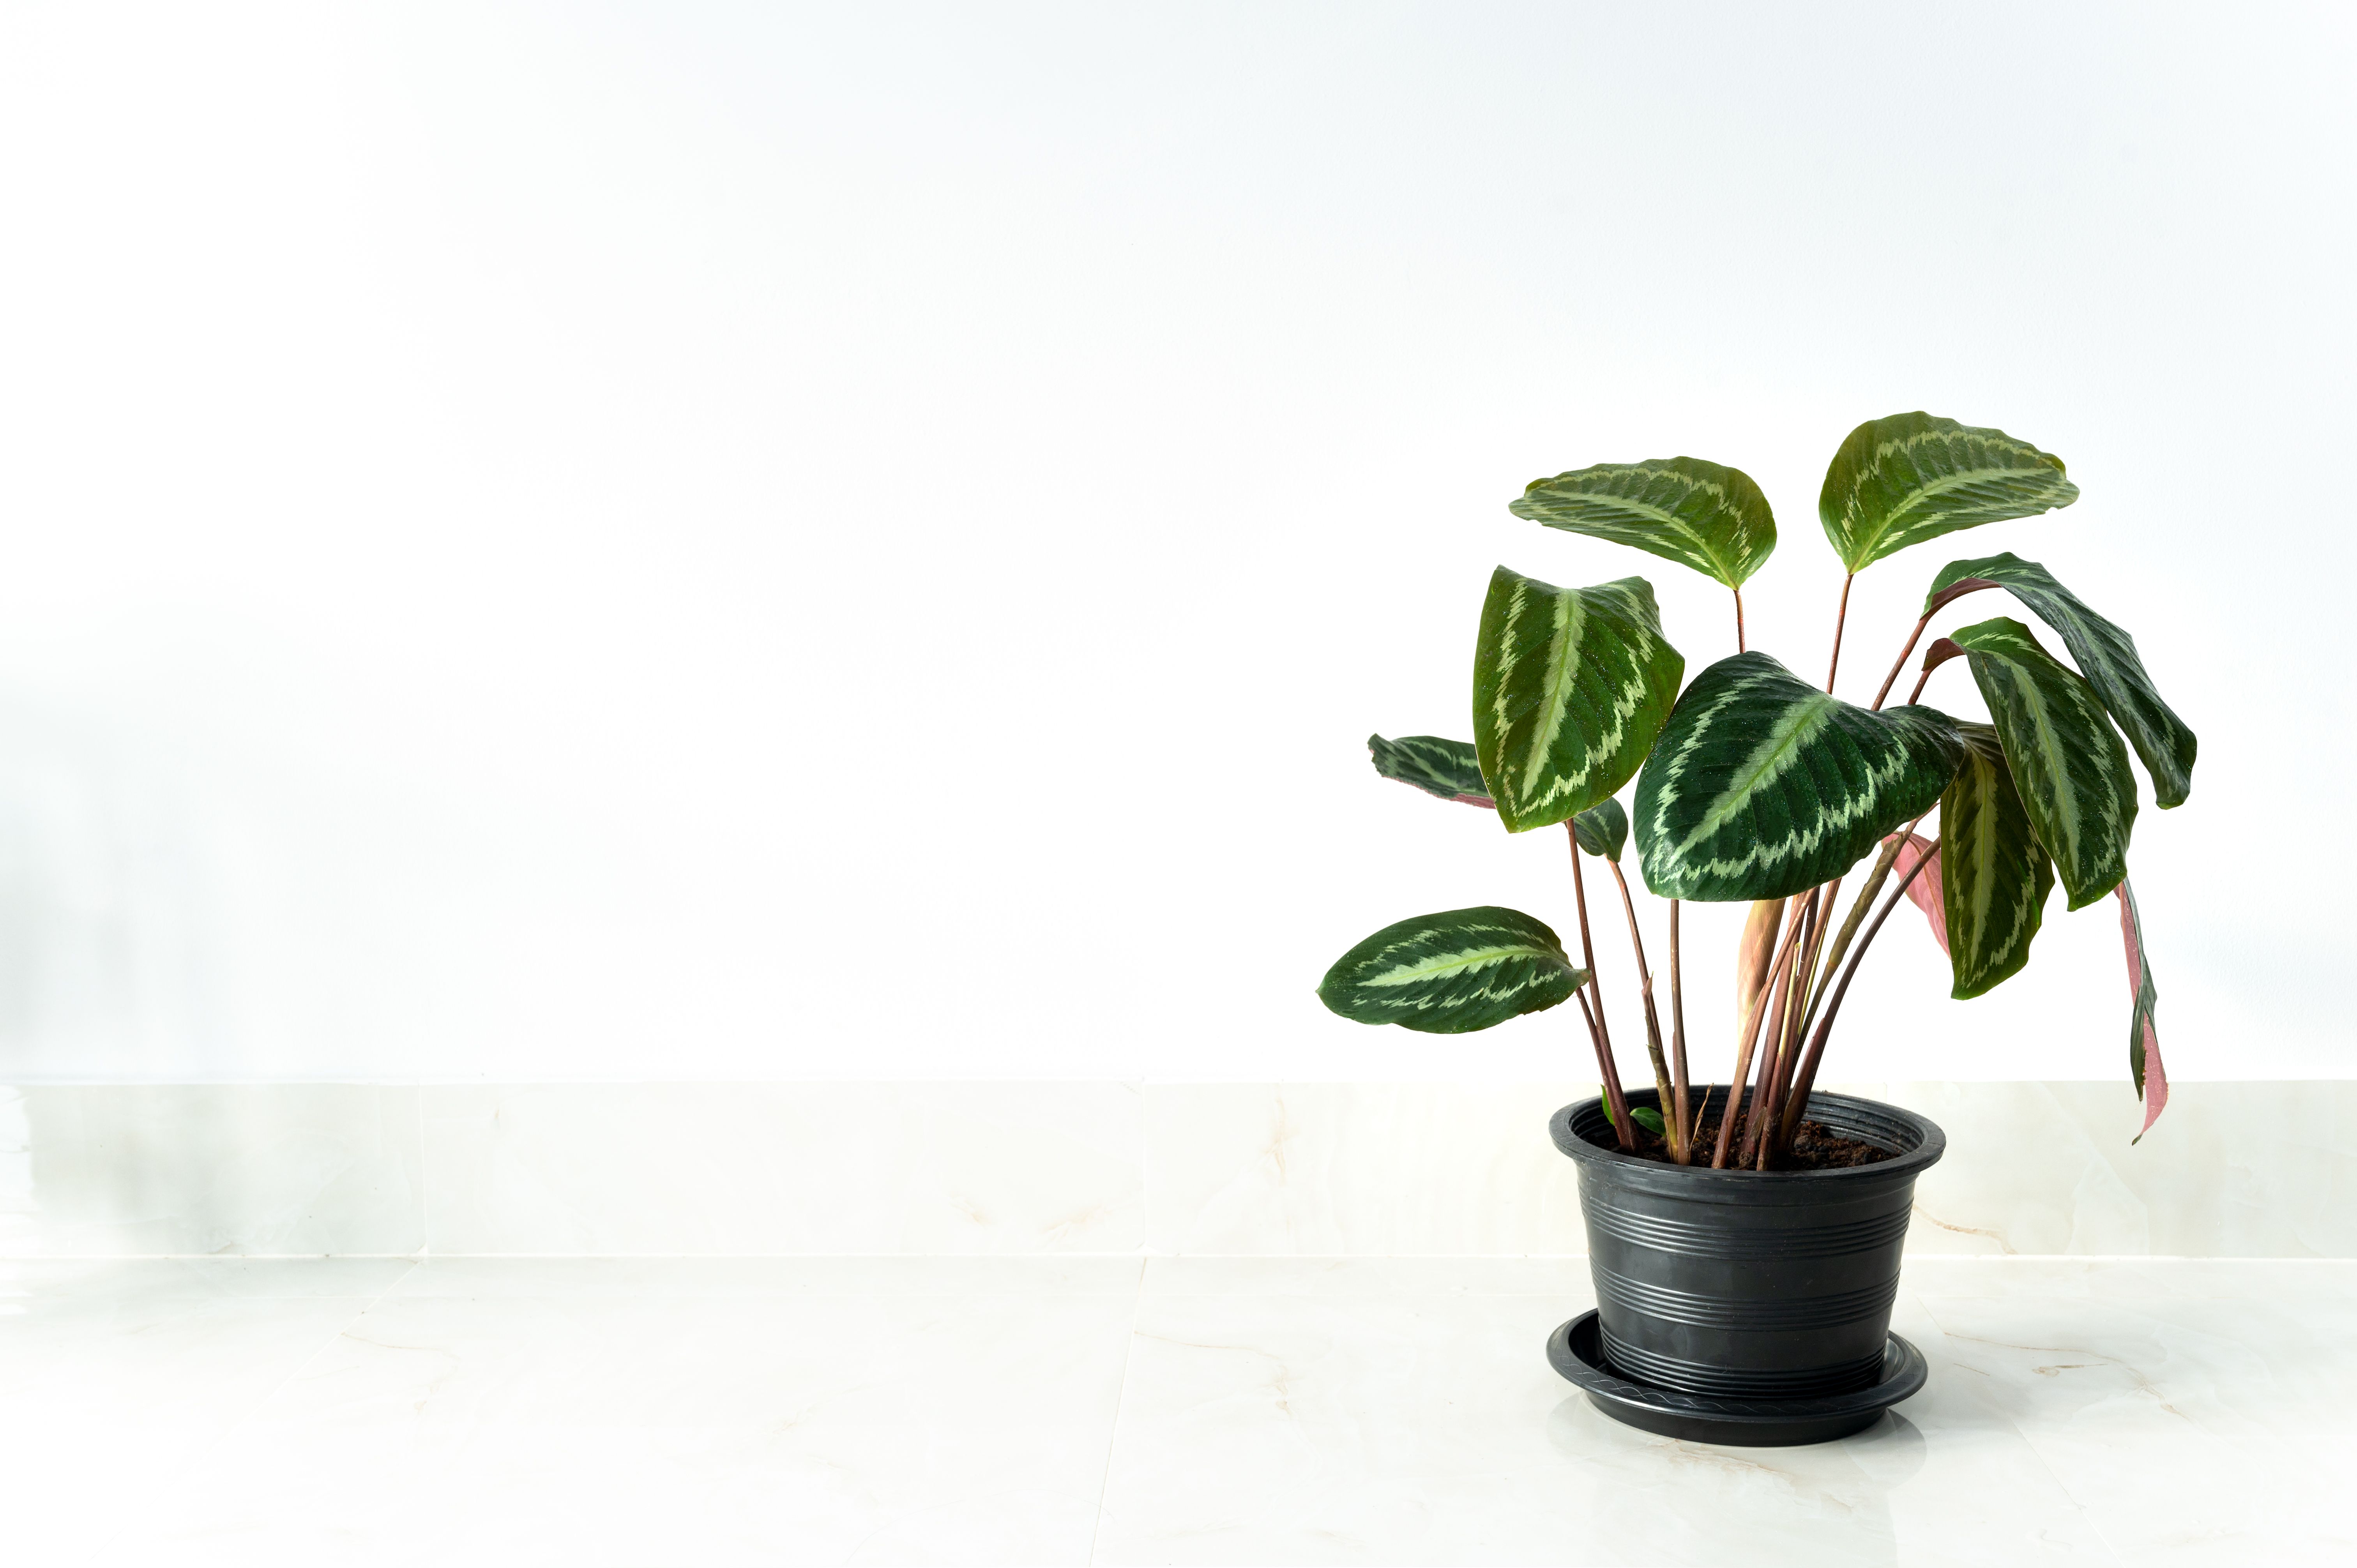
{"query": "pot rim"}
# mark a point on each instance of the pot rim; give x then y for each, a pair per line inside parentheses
(1933, 1144)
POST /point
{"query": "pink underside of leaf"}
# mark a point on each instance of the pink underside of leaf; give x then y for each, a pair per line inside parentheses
(2155, 1076)
(1938, 653)
(1924, 891)
(1954, 591)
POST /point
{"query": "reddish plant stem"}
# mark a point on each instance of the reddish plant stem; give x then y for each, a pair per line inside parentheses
(1841, 618)
(1678, 1080)
(1776, 1067)
(1671, 1109)
(1739, 620)
(1747, 1036)
(1922, 681)
(1615, 1101)
(1757, 1116)
(1865, 897)
(1805, 986)
(1588, 954)
(1899, 663)
(1808, 1075)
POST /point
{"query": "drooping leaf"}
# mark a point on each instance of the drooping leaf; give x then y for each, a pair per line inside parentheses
(1698, 514)
(1994, 873)
(2068, 762)
(2107, 656)
(2144, 1043)
(1452, 972)
(1761, 785)
(1570, 686)
(1602, 830)
(1924, 891)
(1913, 476)
(1444, 768)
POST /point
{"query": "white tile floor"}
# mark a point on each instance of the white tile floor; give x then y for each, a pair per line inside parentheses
(1107, 1410)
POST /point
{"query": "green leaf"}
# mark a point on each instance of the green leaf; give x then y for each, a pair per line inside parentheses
(1763, 786)
(2107, 656)
(1913, 476)
(1698, 514)
(2067, 759)
(1602, 830)
(1647, 1118)
(1570, 686)
(1436, 766)
(1453, 973)
(1994, 875)
(2144, 1043)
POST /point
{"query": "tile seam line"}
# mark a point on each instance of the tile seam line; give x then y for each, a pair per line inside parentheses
(1120, 1397)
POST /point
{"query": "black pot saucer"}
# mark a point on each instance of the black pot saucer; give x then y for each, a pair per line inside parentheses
(1572, 1350)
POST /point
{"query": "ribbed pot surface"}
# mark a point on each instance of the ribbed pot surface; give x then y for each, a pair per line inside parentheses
(1754, 1284)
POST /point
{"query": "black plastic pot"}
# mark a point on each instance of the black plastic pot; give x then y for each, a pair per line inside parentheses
(1748, 1292)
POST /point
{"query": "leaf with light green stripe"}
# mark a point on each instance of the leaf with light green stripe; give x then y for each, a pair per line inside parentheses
(2068, 761)
(2107, 656)
(1570, 686)
(1913, 476)
(1763, 786)
(1993, 874)
(1602, 830)
(1453, 973)
(1698, 514)
(1444, 768)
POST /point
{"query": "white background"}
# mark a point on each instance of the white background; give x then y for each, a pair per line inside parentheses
(673, 542)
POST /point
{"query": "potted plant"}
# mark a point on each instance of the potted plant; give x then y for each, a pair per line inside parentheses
(1745, 1236)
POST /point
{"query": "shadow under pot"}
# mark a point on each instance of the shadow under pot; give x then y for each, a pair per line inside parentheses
(1745, 1307)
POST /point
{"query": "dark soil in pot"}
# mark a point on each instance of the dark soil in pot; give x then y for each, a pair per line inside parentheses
(1816, 1147)
(1750, 1285)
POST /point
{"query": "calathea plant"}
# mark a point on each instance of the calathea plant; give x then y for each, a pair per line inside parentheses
(1755, 785)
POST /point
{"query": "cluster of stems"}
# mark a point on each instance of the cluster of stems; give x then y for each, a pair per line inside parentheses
(1796, 995)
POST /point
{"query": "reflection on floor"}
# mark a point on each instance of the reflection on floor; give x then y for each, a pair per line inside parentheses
(1118, 1410)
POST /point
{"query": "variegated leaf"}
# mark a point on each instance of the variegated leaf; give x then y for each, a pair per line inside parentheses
(1698, 514)
(2107, 656)
(1570, 686)
(2068, 761)
(1453, 973)
(1994, 876)
(1922, 887)
(1913, 476)
(2144, 1043)
(1602, 830)
(1444, 768)
(1761, 785)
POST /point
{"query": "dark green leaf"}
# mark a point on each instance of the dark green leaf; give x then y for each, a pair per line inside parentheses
(1993, 874)
(1763, 786)
(2107, 656)
(2068, 761)
(1913, 476)
(1570, 686)
(1453, 973)
(1602, 830)
(1444, 768)
(1683, 509)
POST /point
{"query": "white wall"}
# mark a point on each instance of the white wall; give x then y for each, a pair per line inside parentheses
(669, 541)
